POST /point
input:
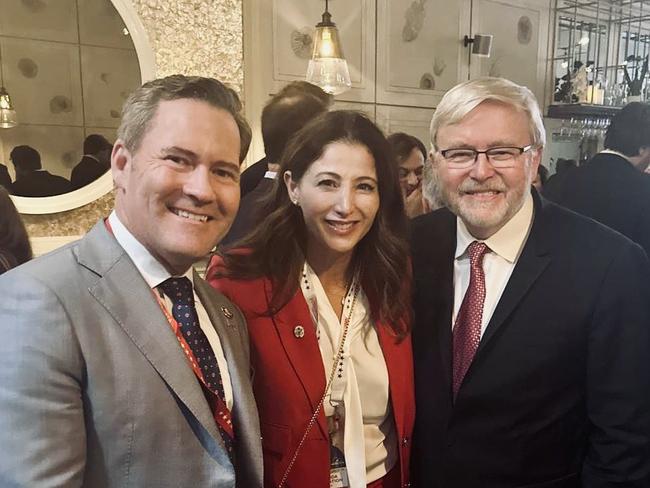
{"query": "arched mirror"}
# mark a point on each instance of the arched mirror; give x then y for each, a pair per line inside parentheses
(68, 66)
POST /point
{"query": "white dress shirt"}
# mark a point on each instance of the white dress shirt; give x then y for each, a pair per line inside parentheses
(505, 247)
(370, 436)
(154, 274)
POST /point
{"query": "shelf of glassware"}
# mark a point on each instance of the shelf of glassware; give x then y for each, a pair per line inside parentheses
(569, 110)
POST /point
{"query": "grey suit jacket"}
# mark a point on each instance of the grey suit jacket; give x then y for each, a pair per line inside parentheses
(95, 390)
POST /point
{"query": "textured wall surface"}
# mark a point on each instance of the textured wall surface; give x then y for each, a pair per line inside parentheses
(194, 37)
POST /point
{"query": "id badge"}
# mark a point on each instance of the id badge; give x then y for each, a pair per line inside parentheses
(338, 470)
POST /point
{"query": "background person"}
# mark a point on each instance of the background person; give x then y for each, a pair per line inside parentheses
(254, 174)
(329, 256)
(611, 188)
(532, 323)
(15, 248)
(31, 179)
(283, 116)
(95, 161)
(128, 369)
(410, 154)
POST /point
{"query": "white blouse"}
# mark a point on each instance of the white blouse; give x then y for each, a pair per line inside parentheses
(370, 438)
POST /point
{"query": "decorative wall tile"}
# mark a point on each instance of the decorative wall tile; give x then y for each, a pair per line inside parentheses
(43, 80)
(109, 76)
(51, 20)
(101, 25)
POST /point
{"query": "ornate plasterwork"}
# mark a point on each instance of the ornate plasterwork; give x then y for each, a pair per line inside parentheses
(194, 37)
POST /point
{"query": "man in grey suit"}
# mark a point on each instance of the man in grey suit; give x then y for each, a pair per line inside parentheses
(101, 380)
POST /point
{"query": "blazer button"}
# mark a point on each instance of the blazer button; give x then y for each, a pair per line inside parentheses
(407, 485)
(299, 331)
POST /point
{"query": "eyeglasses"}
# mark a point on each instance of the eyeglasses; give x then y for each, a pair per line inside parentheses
(499, 157)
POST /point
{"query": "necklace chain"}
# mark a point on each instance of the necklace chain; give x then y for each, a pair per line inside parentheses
(339, 358)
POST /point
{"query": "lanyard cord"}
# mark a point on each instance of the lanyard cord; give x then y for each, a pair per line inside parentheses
(312, 420)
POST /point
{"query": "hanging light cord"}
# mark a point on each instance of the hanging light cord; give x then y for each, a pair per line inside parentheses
(2, 78)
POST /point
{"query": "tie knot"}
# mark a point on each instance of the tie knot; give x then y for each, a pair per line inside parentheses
(476, 251)
(178, 289)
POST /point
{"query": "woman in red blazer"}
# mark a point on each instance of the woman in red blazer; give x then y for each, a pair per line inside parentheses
(322, 283)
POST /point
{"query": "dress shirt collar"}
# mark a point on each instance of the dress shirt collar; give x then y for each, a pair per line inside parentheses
(91, 156)
(611, 151)
(151, 270)
(508, 241)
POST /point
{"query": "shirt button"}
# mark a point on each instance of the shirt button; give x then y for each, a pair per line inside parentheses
(405, 441)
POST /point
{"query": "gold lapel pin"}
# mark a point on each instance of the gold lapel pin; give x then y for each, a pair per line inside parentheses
(229, 315)
(299, 331)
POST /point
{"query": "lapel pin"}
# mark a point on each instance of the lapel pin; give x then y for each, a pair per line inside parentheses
(228, 314)
(299, 331)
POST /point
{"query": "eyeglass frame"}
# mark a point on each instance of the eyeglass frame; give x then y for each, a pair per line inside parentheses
(472, 162)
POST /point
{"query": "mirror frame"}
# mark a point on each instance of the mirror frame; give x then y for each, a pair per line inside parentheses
(104, 184)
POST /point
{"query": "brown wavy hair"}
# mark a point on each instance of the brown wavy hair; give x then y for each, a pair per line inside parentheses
(276, 248)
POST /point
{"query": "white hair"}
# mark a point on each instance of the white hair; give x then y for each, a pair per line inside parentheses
(430, 186)
(466, 96)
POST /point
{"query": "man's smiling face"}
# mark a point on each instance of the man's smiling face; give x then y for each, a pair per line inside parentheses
(484, 197)
(178, 192)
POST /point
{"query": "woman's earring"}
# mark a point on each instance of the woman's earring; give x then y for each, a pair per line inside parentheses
(295, 202)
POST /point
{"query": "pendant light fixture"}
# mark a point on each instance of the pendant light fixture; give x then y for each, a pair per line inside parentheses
(327, 67)
(7, 112)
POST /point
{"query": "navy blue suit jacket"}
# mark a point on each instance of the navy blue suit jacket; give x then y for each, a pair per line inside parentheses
(558, 394)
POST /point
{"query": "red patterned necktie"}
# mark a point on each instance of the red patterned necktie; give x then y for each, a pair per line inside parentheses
(179, 291)
(467, 330)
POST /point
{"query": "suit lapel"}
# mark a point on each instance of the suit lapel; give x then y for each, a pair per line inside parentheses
(122, 291)
(436, 294)
(533, 260)
(226, 321)
(303, 353)
(446, 303)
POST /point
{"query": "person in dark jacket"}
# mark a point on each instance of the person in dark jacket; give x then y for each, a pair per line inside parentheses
(94, 163)
(254, 174)
(31, 179)
(14, 242)
(611, 188)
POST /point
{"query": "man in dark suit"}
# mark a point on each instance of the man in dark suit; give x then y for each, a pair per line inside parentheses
(532, 323)
(255, 172)
(94, 163)
(611, 188)
(31, 179)
(283, 116)
(124, 368)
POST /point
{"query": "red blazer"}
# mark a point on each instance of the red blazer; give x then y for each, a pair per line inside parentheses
(289, 381)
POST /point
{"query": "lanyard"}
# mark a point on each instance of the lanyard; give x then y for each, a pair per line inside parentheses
(338, 359)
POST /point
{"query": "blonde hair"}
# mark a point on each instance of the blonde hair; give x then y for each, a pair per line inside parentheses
(465, 97)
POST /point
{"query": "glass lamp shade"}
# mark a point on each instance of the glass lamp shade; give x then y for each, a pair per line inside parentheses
(327, 67)
(7, 112)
